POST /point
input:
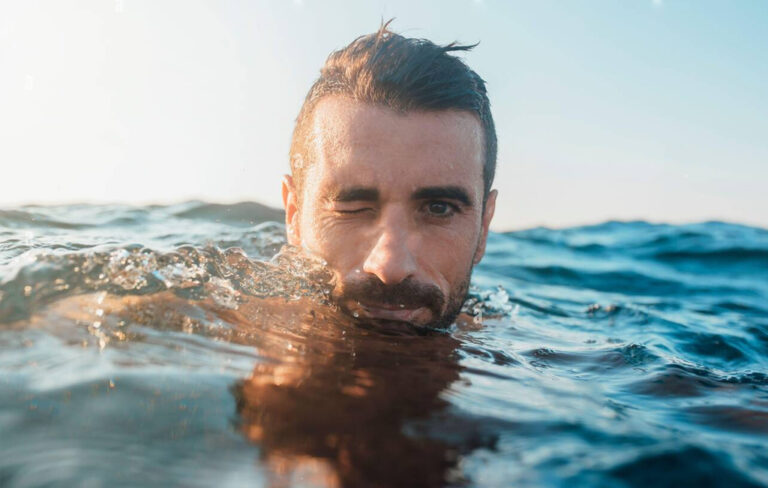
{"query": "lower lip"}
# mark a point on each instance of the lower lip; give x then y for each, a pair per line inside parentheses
(398, 314)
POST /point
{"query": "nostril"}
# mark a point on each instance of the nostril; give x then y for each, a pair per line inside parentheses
(390, 267)
(390, 259)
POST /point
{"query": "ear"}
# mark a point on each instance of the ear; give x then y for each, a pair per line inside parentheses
(290, 203)
(490, 208)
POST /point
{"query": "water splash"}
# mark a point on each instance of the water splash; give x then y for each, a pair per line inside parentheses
(190, 272)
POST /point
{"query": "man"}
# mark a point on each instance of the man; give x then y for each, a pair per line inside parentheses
(392, 160)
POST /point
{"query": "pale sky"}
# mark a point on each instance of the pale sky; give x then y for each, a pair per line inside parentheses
(605, 109)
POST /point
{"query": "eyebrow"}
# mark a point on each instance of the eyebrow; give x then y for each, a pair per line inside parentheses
(443, 192)
(355, 194)
(369, 194)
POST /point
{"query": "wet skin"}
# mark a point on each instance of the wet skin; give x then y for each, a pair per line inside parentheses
(395, 204)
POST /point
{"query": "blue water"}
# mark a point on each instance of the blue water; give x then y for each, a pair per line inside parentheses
(166, 345)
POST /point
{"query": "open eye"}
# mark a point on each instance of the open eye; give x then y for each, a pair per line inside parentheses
(439, 208)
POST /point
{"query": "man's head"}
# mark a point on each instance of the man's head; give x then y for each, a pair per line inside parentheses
(392, 161)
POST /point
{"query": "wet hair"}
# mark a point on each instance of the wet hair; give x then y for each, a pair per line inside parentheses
(403, 74)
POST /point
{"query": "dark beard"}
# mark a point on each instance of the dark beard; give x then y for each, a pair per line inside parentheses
(410, 294)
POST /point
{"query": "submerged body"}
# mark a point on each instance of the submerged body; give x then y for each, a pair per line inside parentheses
(327, 387)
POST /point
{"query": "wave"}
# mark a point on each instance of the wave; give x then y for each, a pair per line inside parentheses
(243, 213)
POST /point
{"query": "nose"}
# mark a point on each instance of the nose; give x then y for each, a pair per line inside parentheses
(390, 259)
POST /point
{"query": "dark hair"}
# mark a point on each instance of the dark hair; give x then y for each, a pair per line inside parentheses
(403, 74)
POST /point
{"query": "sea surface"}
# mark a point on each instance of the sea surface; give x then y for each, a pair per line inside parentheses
(179, 346)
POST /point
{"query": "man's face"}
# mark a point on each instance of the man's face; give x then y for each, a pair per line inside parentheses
(394, 203)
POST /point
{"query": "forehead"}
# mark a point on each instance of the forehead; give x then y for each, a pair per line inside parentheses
(369, 145)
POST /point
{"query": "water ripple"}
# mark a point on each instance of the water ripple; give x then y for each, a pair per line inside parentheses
(178, 345)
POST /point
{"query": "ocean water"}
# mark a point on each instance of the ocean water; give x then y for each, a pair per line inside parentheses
(176, 346)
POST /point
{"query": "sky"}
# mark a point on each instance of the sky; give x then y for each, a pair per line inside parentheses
(605, 109)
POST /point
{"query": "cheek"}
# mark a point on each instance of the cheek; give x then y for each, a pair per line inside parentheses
(339, 245)
(449, 253)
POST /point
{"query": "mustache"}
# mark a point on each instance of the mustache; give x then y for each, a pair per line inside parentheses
(408, 293)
